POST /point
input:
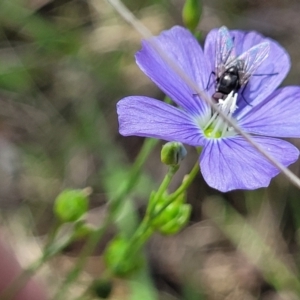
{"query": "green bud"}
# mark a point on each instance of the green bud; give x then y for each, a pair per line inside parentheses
(173, 218)
(172, 153)
(191, 13)
(118, 260)
(175, 225)
(102, 288)
(70, 205)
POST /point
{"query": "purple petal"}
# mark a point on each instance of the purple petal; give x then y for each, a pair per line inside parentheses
(143, 116)
(276, 116)
(278, 61)
(233, 163)
(184, 50)
(210, 49)
(258, 87)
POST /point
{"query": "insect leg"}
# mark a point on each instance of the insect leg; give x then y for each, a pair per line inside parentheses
(242, 94)
(208, 84)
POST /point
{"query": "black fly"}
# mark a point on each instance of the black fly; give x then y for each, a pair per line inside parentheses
(234, 72)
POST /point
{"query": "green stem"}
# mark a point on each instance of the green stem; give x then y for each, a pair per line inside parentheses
(187, 182)
(148, 146)
(143, 232)
(165, 183)
(135, 171)
(84, 254)
(134, 175)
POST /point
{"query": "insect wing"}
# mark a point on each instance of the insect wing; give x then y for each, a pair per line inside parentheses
(250, 60)
(225, 51)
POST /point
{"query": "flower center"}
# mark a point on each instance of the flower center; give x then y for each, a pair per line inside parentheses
(217, 127)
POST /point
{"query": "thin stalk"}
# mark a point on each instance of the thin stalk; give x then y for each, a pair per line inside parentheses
(134, 174)
(186, 183)
(143, 232)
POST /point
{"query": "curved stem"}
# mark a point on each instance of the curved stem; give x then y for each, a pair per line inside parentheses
(185, 184)
(134, 173)
(143, 232)
(91, 243)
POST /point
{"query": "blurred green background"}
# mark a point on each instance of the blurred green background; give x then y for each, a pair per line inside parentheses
(64, 64)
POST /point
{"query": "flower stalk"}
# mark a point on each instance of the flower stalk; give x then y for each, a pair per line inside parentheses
(146, 229)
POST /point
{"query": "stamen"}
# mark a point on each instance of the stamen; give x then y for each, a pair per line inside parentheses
(233, 106)
(229, 104)
(216, 123)
(214, 116)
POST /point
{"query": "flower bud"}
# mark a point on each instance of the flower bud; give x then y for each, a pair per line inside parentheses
(70, 205)
(173, 218)
(172, 153)
(191, 13)
(118, 261)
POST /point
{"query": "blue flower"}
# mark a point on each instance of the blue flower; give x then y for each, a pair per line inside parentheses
(227, 160)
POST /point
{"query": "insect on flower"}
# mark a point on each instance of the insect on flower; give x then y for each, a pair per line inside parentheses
(227, 160)
(234, 72)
